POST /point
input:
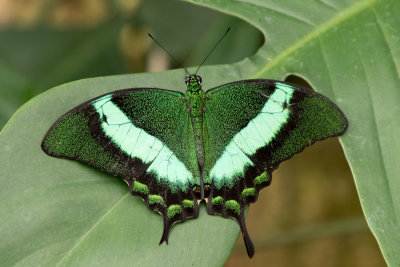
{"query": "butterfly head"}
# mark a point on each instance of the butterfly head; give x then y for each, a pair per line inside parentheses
(193, 83)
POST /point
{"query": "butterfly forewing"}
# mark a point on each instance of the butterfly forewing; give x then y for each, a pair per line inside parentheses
(142, 135)
(254, 125)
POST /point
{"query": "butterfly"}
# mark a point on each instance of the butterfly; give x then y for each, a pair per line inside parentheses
(175, 150)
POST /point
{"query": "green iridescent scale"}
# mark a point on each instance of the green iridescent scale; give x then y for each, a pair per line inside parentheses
(176, 150)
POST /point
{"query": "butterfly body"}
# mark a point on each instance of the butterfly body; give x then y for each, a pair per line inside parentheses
(194, 98)
(175, 150)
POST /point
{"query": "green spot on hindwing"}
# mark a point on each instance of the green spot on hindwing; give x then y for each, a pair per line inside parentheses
(233, 205)
(156, 199)
(140, 188)
(217, 201)
(173, 210)
(248, 192)
(262, 178)
(188, 203)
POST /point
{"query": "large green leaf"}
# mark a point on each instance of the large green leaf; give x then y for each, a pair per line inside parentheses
(61, 212)
(350, 52)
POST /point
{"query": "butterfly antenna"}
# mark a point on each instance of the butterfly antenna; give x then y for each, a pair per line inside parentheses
(215, 46)
(176, 61)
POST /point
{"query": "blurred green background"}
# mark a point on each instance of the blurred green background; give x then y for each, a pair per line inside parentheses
(309, 216)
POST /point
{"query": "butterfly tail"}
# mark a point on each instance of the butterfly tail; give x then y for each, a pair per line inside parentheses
(181, 213)
(165, 234)
(246, 237)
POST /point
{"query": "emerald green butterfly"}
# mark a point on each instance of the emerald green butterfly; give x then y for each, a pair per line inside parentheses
(175, 150)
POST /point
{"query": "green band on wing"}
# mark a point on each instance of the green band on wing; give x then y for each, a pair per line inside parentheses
(258, 133)
(173, 210)
(138, 144)
(233, 205)
(156, 199)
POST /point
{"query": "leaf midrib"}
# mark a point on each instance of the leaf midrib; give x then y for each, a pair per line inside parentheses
(337, 19)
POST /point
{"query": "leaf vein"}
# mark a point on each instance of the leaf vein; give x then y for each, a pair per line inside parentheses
(356, 8)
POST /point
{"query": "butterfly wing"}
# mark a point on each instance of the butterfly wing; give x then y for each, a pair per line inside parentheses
(251, 126)
(141, 135)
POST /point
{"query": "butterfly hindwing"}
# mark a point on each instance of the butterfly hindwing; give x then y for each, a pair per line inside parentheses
(142, 135)
(251, 127)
